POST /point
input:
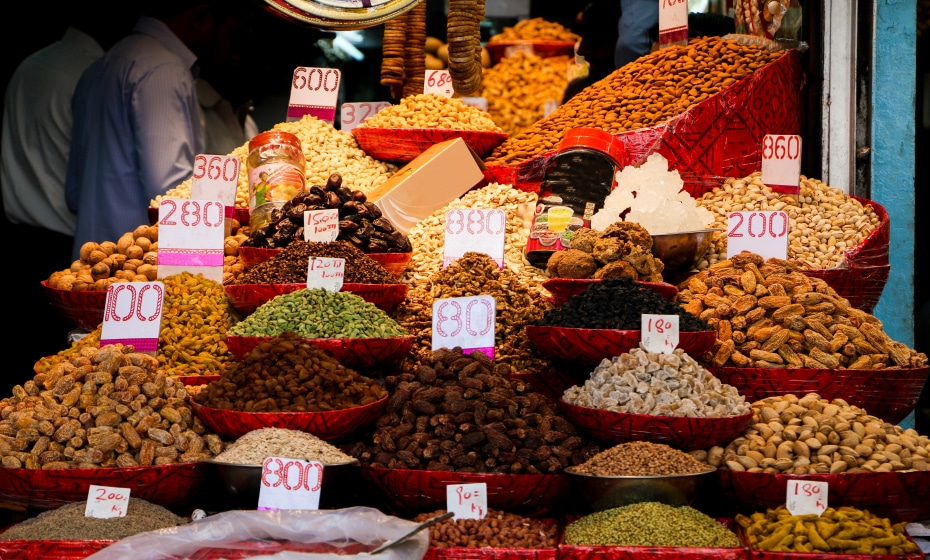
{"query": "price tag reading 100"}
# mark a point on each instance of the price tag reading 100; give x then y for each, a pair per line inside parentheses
(132, 315)
(466, 322)
(762, 233)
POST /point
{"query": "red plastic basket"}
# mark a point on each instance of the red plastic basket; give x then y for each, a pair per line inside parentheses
(590, 346)
(350, 352)
(564, 288)
(246, 298)
(84, 308)
(405, 144)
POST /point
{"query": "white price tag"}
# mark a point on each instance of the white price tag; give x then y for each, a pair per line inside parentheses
(467, 501)
(438, 82)
(763, 233)
(290, 484)
(314, 91)
(321, 226)
(132, 315)
(216, 178)
(804, 497)
(659, 333)
(326, 273)
(353, 114)
(477, 102)
(673, 22)
(106, 502)
(781, 163)
(511, 50)
(550, 106)
(190, 237)
(480, 231)
(467, 322)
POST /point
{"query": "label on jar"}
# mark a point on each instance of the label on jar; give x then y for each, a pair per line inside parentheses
(190, 237)
(438, 82)
(465, 322)
(216, 178)
(353, 114)
(274, 182)
(467, 501)
(314, 91)
(290, 484)
(321, 226)
(106, 502)
(763, 233)
(781, 163)
(673, 22)
(659, 333)
(473, 230)
(325, 272)
(132, 315)
(804, 497)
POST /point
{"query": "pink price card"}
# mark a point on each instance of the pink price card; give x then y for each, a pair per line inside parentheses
(473, 230)
(106, 502)
(467, 501)
(659, 333)
(764, 233)
(321, 226)
(326, 273)
(803, 497)
(190, 237)
(781, 163)
(290, 484)
(438, 82)
(673, 22)
(216, 178)
(132, 315)
(314, 91)
(353, 114)
(466, 322)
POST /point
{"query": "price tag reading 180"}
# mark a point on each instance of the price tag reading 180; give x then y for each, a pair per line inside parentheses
(466, 322)
(190, 237)
(467, 501)
(763, 233)
(314, 91)
(290, 484)
(106, 502)
(480, 231)
(804, 497)
(659, 333)
(438, 82)
(781, 163)
(216, 178)
(132, 315)
(353, 114)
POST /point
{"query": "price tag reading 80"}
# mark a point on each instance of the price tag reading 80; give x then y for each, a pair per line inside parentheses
(466, 322)
(132, 315)
(290, 484)
(762, 233)
(480, 231)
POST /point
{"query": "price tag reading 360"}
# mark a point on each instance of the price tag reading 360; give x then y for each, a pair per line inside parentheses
(659, 333)
(216, 178)
(480, 231)
(106, 502)
(781, 163)
(467, 501)
(290, 484)
(314, 91)
(467, 322)
(763, 233)
(804, 497)
(132, 315)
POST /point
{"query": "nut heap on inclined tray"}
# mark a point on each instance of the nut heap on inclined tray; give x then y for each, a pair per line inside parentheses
(651, 90)
(403, 63)
(326, 150)
(823, 223)
(107, 407)
(254, 447)
(499, 529)
(622, 249)
(641, 382)
(650, 524)
(813, 435)
(475, 274)
(290, 265)
(287, 374)
(463, 31)
(641, 458)
(769, 314)
(843, 530)
(360, 222)
(428, 110)
(92, 340)
(461, 413)
(535, 29)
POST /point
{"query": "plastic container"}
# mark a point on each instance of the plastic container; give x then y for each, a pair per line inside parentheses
(277, 170)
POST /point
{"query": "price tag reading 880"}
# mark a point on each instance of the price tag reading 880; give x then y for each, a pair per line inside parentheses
(216, 178)
(466, 322)
(762, 233)
(314, 91)
(804, 497)
(781, 163)
(190, 237)
(290, 484)
(480, 231)
(132, 315)
(659, 333)
(438, 82)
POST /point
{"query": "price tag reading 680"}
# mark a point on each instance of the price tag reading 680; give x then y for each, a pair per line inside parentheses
(762, 233)
(132, 315)
(438, 82)
(466, 322)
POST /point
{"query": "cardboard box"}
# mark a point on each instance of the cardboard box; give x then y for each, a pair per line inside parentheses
(442, 173)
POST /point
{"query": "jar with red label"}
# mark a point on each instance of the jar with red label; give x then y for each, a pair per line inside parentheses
(277, 171)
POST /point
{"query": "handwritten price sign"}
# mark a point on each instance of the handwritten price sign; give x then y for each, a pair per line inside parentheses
(480, 103)
(438, 82)
(132, 315)
(106, 502)
(659, 333)
(781, 163)
(481, 231)
(326, 273)
(290, 484)
(806, 497)
(216, 178)
(190, 237)
(467, 501)
(353, 114)
(467, 322)
(673, 22)
(762, 233)
(321, 226)
(314, 91)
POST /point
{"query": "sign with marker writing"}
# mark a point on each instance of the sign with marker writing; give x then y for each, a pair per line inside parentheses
(321, 226)
(764, 233)
(466, 322)
(659, 333)
(781, 163)
(438, 82)
(290, 484)
(467, 501)
(472, 230)
(216, 178)
(804, 497)
(132, 315)
(353, 114)
(314, 91)
(190, 237)
(480, 103)
(326, 273)
(106, 502)
(673, 22)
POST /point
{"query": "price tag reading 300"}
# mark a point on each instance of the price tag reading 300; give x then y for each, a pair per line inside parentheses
(132, 315)
(804, 497)
(314, 91)
(480, 231)
(290, 484)
(659, 333)
(781, 163)
(762, 233)
(467, 322)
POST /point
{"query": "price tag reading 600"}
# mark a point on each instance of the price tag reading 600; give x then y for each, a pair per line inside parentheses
(290, 484)
(466, 322)
(763, 233)
(314, 91)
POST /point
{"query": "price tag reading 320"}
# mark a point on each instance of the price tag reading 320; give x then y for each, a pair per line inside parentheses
(216, 178)
(353, 114)
(763, 233)
(804, 497)
(290, 484)
(659, 333)
(781, 163)
(467, 322)
(106, 502)
(438, 82)
(314, 91)
(132, 315)
(467, 501)
(480, 231)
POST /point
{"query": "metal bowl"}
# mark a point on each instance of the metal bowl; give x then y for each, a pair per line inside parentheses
(682, 250)
(606, 492)
(242, 482)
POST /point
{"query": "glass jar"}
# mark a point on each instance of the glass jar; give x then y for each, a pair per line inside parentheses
(277, 171)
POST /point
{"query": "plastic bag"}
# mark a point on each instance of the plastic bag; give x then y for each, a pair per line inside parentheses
(278, 534)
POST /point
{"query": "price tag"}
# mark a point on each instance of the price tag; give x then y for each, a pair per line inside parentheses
(216, 178)
(781, 163)
(326, 273)
(659, 333)
(519, 48)
(805, 497)
(762, 233)
(314, 91)
(673, 22)
(477, 102)
(132, 315)
(106, 502)
(550, 106)
(190, 237)
(353, 114)
(290, 484)
(438, 82)
(467, 322)
(467, 501)
(321, 226)
(480, 231)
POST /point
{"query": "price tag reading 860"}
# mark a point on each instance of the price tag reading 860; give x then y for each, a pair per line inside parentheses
(781, 163)
(353, 114)
(438, 82)
(471, 230)
(314, 91)
(659, 333)
(763, 233)
(804, 497)
(190, 237)
(216, 178)
(132, 315)
(290, 484)
(466, 322)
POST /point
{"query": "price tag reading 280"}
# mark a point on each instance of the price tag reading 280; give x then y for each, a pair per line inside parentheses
(659, 333)
(314, 91)
(781, 163)
(438, 82)
(763, 233)
(132, 315)
(480, 231)
(216, 178)
(190, 237)
(290, 484)
(804, 497)
(466, 322)
(353, 114)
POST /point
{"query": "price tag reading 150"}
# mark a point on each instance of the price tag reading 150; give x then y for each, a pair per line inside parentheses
(353, 114)
(659, 333)
(466, 322)
(438, 82)
(480, 231)
(290, 484)
(804, 497)
(132, 315)
(314, 91)
(781, 163)
(763, 233)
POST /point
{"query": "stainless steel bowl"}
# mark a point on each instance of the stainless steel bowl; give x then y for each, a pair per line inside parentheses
(606, 492)
(242, 482)
(682, 250)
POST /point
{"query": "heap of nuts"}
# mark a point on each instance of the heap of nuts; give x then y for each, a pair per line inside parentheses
(360, 222)
(290, 265)
(107, 407)
(623, 249)
(537, 29)
(769, 314)
(810, 434)
(460, 413)
(641, 458)
(498, 529)
(134, 258)
(429, 110)
(287, 374)
(91, 340)
(518, 87)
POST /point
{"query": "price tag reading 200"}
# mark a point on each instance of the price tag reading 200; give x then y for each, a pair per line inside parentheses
(763, 233)
(290, 484)
(132, 315)
(466, 322)
(480, 231)
(106, 502)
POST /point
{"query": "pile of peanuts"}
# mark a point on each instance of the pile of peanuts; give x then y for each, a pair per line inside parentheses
(498, 529)
(810, 434)
(823, 223)
(429, 110)
(518, 87)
